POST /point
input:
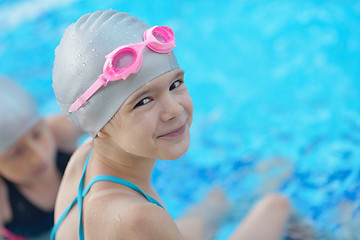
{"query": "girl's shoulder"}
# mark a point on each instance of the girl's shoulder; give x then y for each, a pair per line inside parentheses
(117, 214)
(69, 183)
(77, 160)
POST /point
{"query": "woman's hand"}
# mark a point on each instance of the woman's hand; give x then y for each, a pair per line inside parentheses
(5, 211)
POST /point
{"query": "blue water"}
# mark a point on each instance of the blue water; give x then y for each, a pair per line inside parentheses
(276, 90)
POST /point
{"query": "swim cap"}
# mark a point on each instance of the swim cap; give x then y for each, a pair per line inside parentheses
(79, 60)
(18, 113)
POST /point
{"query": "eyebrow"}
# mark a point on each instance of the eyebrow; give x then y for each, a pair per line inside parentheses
(145, 92)
(179, 74)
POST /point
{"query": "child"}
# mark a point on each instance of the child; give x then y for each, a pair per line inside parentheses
(135, 105)
(33, 155)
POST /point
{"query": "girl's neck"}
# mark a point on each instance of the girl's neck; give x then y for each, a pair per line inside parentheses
(112, 160)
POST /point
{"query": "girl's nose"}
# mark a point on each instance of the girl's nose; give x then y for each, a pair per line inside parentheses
(171, 108)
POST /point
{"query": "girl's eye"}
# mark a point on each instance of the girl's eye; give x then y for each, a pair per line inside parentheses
(176, 84)
(142, 102)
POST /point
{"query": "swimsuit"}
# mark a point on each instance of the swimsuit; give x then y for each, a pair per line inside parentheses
(82, 193)
(27, 219)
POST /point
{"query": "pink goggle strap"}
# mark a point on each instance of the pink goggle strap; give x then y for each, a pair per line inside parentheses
(91, 91)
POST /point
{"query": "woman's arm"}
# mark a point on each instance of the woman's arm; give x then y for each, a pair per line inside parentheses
(65, 133)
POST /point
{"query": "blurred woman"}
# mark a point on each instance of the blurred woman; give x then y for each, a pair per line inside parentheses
(34, 152)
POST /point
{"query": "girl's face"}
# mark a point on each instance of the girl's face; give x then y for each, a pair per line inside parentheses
(154, 121)
(31, 157)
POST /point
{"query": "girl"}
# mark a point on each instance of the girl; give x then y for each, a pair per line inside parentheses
(118, 79)
(33, 156)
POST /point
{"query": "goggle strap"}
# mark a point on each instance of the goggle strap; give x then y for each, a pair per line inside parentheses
(89, 93)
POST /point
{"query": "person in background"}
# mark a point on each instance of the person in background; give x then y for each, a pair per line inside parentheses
(118, 79)
(34, 152)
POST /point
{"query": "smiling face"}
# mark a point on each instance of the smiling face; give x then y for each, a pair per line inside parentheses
(154, 121)
(31, 157)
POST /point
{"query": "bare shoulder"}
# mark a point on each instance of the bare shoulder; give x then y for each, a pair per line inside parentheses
(149, 221)
(125, 218)
(71, 178)
(78, 158)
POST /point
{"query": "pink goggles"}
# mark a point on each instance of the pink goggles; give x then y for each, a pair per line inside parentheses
(126, 60)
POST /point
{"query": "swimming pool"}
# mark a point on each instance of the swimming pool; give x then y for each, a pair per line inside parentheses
(276, 90)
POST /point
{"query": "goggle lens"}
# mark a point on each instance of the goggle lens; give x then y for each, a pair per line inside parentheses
(123, 59)
(163, 34)
(162, 39)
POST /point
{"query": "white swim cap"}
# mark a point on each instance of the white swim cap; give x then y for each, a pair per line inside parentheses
(79, 60)
(18, 113)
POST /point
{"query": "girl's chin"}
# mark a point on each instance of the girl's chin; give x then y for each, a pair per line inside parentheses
(175, 154)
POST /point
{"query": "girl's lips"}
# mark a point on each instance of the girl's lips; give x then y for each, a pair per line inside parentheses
(175, 133)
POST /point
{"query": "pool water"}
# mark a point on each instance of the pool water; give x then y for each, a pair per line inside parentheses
(276, 91)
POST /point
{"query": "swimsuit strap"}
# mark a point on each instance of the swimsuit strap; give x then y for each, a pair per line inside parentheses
(82, 193)
(78, 199)
(123, 182)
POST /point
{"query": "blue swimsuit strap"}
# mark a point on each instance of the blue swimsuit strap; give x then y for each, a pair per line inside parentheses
(82, 193)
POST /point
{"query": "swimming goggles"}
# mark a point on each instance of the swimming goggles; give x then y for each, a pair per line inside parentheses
(126, 60)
